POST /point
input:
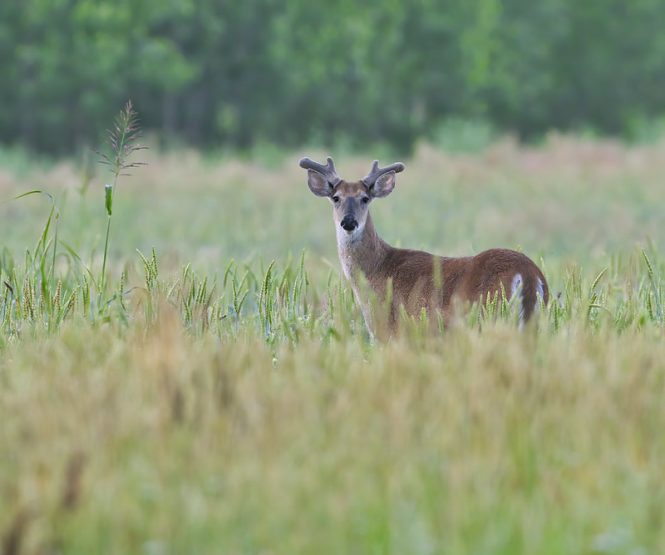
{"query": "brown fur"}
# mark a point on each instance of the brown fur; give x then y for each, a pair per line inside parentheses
(415, 284)
(420, 280)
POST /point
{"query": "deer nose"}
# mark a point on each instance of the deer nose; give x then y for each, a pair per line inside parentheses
(349, 223)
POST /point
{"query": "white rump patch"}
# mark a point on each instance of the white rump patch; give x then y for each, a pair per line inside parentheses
(540, 291)
(516, 289)
(515, 285)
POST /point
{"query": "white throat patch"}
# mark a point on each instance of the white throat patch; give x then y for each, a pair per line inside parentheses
(345, 244)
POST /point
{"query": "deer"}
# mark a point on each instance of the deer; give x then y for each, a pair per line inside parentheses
(414, 280)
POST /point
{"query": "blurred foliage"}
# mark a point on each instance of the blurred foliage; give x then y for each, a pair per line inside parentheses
(258, 71)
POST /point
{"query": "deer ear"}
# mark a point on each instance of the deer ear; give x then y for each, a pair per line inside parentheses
(318, 184)
(384, 185)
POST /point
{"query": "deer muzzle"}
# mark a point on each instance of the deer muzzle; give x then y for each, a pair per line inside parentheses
(349, 223)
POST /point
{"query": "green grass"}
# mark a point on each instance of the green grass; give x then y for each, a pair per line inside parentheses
(219, 395)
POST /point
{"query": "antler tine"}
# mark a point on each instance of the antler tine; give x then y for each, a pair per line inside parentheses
(328, 171)
(331, 165)
(377, 172)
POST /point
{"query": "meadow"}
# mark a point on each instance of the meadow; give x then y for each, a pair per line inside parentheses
(216, 393)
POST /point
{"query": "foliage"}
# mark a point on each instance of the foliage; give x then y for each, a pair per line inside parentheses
(122, 144)
(245, 73)
(243, 410)
(251, 417)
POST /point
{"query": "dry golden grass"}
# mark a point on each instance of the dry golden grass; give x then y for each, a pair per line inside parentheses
(492, 442)
(252, 416)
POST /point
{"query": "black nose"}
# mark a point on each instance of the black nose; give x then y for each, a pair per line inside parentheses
(349, 223)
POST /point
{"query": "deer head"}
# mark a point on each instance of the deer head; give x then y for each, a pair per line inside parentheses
(350, 199)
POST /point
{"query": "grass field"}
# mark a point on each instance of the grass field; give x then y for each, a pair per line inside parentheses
(218, 394)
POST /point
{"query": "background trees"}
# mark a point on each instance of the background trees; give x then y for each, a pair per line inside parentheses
(237, 73)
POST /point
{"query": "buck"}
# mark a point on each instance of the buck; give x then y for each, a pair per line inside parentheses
(414, 279)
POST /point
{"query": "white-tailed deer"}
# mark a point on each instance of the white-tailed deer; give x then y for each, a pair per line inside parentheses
(413, 279)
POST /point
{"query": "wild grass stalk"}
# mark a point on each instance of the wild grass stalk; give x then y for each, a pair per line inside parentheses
(260, 385)
(122, 143)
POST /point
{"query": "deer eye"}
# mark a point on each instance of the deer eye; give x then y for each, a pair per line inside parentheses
(335, 199)
(364, 200)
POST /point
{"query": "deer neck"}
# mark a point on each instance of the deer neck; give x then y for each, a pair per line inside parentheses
(362, 251)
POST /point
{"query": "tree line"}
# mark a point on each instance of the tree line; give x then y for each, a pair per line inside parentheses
(222, 72)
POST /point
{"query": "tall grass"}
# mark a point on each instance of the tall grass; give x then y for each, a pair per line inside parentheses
(156, 408)
(122, 144)
(492, 441)
(282, 303)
